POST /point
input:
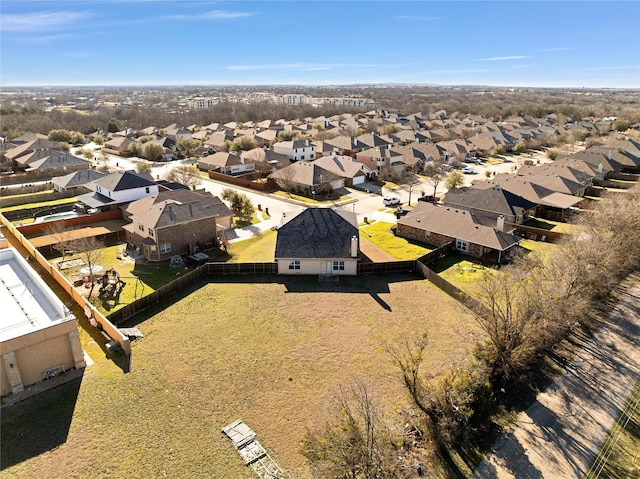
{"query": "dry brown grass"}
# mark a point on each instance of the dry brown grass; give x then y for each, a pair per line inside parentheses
(269, 353)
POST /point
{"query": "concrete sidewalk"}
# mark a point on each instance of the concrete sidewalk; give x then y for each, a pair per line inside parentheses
(560, 434)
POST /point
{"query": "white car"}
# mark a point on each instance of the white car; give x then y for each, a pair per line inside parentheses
(391, 200)
(468, 170)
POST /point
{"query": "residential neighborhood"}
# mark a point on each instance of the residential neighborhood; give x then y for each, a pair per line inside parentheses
(283, 203)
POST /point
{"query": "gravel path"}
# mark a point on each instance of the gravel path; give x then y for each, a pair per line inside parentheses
(559, 435)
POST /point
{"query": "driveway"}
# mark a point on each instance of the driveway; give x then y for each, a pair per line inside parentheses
(559, 435)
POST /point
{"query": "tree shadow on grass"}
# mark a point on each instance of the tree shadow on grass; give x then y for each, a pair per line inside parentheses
(37, 424)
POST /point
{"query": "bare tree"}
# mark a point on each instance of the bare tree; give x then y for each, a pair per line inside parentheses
(62, 235)
(186, 174)
(435, 173)
(91, 251)
(447, 399)
(454, 180)
(353, 442)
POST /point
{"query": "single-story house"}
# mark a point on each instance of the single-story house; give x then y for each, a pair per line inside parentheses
(226, 163)
(75, 181)
(492, 202)
(319, 241)
(353, 172)
(306, 175)
(438, 225)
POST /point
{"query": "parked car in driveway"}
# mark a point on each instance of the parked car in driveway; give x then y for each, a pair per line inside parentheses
(400, 212)
(391, 200)
(428, 199)
(468, 170)
(473, 159)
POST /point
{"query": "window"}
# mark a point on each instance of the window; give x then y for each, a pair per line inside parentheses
(338, 265)
(141, 227)
(311, 156)
(146, 189)
(462, 245)
(165, 248)
(294, 264)
(302, 157)
(150, 232)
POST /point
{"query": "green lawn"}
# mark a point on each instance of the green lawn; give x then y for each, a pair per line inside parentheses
(260, 248)
(140, 280)
(269, 351)
(461, 272)
(61, 201)
(380, 234)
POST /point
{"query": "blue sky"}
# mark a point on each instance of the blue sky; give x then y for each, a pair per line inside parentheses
(145, 42)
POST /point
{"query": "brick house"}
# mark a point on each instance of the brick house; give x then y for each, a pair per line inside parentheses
(176, 222)
(474, 235)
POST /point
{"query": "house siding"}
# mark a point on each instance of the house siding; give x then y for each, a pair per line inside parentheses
(317, 266)
(436, 239)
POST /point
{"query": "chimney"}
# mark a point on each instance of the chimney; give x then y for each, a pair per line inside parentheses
(354, 246)
(500, 223)
(306, 142)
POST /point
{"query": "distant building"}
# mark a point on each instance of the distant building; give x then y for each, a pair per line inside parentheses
(38, 335)
(201, 103)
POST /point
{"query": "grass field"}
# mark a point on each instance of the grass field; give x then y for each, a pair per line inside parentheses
(61, 201)
(400, 248)
(258, 249)
(151, 277)
(269, 353)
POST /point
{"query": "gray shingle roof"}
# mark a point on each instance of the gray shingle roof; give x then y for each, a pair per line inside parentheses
(316, 233)
(122, 180)
(457, 223)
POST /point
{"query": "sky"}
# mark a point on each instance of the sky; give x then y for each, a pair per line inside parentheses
(591, 44)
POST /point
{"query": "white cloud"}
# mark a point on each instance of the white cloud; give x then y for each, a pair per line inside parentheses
(41, 21)
(499, 59)
(212, 15)
(44, 39)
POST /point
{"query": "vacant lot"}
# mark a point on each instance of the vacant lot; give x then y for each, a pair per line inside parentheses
(267, 352)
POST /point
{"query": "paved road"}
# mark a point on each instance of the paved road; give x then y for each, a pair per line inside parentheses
(559, 435)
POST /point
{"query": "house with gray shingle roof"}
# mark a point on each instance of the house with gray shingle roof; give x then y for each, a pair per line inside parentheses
(58, 162)
(176, 222)
(118, 188)
(353, 172)
(318, 241)
(308, 177)
(76, 179)
(491, 202)
(439, 224)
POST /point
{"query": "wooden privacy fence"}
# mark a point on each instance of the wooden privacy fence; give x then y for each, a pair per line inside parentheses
(439, 252)
(453, 291)
(387, 267)
(158, 296)
(90, 311)
(534, 233)
(214, 269)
